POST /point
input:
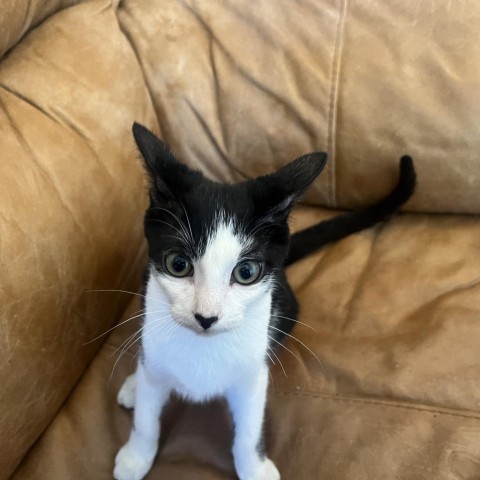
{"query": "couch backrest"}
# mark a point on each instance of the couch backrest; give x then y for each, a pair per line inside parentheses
(240, 87)
(17, 17)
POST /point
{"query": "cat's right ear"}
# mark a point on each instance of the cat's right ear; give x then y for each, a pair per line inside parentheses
(169, 178)
(153, 150)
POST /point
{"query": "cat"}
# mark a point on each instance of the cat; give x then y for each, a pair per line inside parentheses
(217, 299)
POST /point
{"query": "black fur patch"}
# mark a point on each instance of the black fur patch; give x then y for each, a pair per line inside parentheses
(184, 208)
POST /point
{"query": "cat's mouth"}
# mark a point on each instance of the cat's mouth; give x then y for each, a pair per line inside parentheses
(210, 332)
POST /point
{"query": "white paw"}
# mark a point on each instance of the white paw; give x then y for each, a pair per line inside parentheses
(265, 470)
(130, 464)
(268, 471)
(126, 395)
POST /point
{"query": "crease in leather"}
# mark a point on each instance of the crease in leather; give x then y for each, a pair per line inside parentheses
(41, 167)
(140, 64)
(221, 150)
(208, 132)
(28, 23)
(63, 68)
(464, 465)
(333, 103)
(439, 298)
(28, 101)
(362, 280)
(264, 88)
(66, 122)
(220, 116)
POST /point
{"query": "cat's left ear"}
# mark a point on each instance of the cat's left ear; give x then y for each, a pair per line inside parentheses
(275, 194)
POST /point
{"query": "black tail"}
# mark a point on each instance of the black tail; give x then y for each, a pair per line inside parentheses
(311, 239)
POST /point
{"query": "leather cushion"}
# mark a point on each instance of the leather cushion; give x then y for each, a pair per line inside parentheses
(241, 87)
(395, 394)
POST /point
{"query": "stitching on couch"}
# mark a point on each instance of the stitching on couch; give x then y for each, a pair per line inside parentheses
(365, 401)
(333, 103)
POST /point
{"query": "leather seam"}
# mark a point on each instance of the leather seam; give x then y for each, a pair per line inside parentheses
(365, 401)
(333, 102)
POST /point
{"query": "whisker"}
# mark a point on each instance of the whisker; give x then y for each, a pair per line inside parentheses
(294, 320)
(153, 326)
(282, 345)
(188, 220)
(139, 331)
(185, 239)
(116, 326)
(122, 353)
(276, 356)
(131, 293)
(176, 218)
(271, 359)
(299, 341)
(140, 314)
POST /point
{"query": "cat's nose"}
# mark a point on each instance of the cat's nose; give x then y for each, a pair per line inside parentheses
(205, 322)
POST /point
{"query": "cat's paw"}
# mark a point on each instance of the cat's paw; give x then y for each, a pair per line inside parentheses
(268, 471)
(264, 470)
(130, 464)
(126, 395)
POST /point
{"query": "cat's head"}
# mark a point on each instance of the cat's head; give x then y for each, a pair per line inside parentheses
(215, 249)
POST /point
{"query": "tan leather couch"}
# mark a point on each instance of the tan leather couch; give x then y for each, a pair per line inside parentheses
(238, 88)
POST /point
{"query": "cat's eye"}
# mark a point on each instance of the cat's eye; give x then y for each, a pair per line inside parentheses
(178, 265)
(247, 272)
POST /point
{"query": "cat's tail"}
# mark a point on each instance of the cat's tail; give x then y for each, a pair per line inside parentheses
(307, 241)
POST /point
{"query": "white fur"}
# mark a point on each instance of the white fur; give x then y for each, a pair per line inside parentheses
(226, 360)
(126, 395)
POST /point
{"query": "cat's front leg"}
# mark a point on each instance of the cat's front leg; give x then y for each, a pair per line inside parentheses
(135, 458)
(247, 403)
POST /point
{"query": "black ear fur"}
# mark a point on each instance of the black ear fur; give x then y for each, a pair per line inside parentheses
(153, 150)
(169, 178)
(276, 193)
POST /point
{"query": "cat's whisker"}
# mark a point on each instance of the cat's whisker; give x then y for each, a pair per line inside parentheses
(283, 346)
(182, 234)
(263, 227)
(295, 321)
(141, 327)
(125, 343)
(188, 220)
(281, 364)
(140, 314)
(299, 341)
(271, 359)
(154, 325)
(178, 220)
(236, 335)
(122, 353)
(127, 291)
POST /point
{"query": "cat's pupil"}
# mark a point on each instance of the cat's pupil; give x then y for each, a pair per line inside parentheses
(245, 272)
(179, 264)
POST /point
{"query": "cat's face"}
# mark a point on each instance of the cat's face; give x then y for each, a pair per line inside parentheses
(215, 249)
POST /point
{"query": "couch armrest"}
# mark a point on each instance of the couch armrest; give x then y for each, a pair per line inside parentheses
(72, 196)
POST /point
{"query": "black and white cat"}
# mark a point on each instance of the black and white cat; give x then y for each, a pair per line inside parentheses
(217, 299)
